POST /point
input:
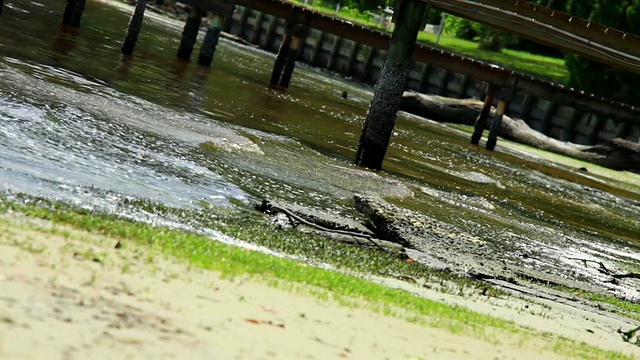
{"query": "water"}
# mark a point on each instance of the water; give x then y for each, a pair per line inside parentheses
(82, 124)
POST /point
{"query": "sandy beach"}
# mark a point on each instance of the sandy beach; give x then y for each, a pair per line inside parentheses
(70, 294)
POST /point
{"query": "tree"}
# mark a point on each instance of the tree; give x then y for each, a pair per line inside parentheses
(598, 78)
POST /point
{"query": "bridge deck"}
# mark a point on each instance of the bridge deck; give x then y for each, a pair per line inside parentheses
(554, 28)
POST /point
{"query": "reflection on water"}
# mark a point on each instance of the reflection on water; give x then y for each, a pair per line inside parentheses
(75, 116)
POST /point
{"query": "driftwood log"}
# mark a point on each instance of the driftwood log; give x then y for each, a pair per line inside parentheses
(618, 154)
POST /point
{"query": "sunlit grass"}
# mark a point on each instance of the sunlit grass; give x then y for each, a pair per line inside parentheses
(549, 67)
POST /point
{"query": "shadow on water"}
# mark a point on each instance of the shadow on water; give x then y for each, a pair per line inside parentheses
(75, 116)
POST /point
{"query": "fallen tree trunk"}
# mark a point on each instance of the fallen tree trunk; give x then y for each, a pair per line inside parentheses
(618, 154)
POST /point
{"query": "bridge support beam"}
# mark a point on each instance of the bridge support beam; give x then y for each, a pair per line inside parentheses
(73, 13)
(190, 33)
(210, 42)
(281, 58)
(383, 109)
(287, 55)
(135, 24)
(298, 36)
(481, 120)
(496, 124)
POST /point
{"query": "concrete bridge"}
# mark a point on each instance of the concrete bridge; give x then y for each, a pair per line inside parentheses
(557, 29)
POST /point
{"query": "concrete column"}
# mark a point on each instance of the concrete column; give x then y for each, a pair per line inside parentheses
(444, 82)
(424, 79)
(267, 43)
(382, 111)
(551, 110)
(353, 55)
(244, 17)
(624, 130)
(525, 109)
(190, 33)
(281, 58)
(570, 131)
(73, 13)
(210, 42)
(464, 87)
(257, 27)
(135, 24)
(335, 52)
(316, 50)
(368, 61)
(481, 121)
(596, 127)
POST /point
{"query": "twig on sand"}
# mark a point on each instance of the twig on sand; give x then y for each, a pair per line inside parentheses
(269, 208)
(629, 334)
(604, 270)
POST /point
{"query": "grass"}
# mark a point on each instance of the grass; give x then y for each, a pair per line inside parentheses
(200, 251)
(541, 66)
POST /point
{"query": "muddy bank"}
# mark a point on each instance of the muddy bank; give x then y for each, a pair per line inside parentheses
(442, 246)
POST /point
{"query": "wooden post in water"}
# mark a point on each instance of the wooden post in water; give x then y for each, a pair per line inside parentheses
(505, 95)
(281, 58)
(73, 13)
(210, 42)
(481, 121)
(383, 109)
(496, 124)
(298, 33)
(135, 24)
(190, 33)
(1, 6)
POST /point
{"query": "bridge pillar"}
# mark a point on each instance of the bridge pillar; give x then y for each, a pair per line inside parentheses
(73, 13)
(287, 54)
(496, 124)
(135, 24)
(299, 33)
(210, 42)
(481, 120)
(382, 111)
(190, 33)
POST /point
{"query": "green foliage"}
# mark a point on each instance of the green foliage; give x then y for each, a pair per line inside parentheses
(491, 39)
(592, 76)
(460, 27)
(355, 5)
